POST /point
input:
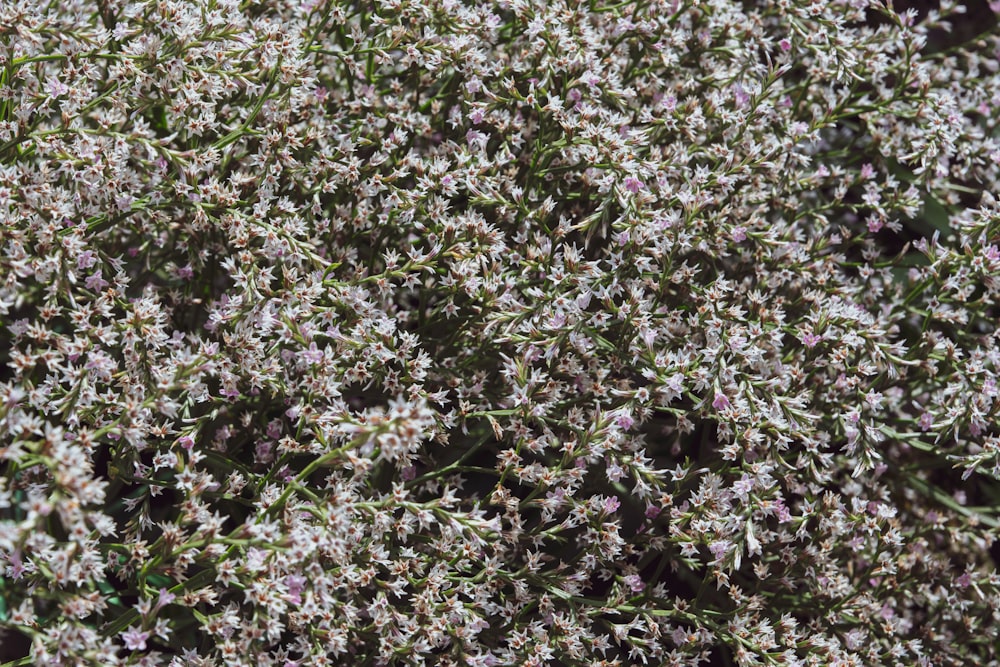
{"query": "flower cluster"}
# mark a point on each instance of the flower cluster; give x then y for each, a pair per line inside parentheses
(515, 332)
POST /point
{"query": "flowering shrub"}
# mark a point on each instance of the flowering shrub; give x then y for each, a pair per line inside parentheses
(523, 332)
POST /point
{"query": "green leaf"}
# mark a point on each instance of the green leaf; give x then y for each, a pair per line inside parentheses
(936, 214)
(159, 114)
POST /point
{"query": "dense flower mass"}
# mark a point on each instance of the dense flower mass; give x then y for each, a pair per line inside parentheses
(509, 332)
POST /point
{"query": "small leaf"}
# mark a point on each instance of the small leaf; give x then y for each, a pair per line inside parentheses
(936, 214)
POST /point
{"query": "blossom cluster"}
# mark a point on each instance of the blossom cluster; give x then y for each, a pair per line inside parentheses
(508, 332)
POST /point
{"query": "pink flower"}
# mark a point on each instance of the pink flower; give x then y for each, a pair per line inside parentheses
(166, 597)
(874, 399)
(624, 421)
(135, 639)
(86, 259)
(634, 582)
(17, 567)
(784, 516)
(718, 548)
(296, 584)
(926, 421)
(633, 184)
(740, 95)
(720, 402)
(811, 339)
(56, 87)
(96, 281)
(476, 139)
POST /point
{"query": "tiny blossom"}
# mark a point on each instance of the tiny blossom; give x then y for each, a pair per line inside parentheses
(874, 399)
(166, 597)
(86, 259)
(740, 96)
(135, 639)
(635, 583)
(55, 87)
(633, 184)
(926, 421)
(96, 281)
(811, 339)
(614, 472)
